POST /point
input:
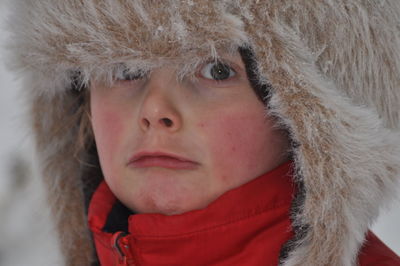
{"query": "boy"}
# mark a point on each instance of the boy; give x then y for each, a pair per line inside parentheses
(227, 132)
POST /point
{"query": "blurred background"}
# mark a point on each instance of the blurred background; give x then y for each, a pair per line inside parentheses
(27, 234)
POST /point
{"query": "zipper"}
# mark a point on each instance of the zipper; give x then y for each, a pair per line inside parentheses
(120, 244)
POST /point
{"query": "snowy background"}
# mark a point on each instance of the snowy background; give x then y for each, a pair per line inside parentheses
(27, 236)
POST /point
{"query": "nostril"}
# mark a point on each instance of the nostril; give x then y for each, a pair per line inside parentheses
(146, 122)
(167, 122)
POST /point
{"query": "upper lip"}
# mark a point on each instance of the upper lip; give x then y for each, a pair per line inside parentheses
(139, 155)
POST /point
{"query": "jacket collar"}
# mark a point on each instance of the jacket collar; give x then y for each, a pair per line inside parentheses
(253, 218)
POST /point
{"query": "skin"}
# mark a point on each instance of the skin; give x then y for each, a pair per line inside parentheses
(220, 125)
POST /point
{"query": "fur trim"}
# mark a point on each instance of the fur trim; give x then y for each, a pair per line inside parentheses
(334, 67)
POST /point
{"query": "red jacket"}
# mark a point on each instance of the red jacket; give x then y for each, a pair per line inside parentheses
(245, 226)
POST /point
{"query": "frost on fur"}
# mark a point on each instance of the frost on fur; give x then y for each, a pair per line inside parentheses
(335, 88)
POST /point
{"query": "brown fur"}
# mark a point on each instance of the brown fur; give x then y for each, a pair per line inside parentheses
(334, 67)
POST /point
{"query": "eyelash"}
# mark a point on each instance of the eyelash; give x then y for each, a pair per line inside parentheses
(126, 75)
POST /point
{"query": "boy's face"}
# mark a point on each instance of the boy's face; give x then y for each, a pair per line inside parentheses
(170, 147)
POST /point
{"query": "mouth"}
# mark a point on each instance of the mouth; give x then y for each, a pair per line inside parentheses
(162, 160)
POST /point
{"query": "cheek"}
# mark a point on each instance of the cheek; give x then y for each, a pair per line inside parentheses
(108, 131)
(240, 145)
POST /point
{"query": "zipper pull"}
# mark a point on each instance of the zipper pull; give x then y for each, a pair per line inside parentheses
(120, 246)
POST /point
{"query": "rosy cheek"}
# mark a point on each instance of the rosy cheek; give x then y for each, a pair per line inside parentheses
(235, 141)
(108, 128)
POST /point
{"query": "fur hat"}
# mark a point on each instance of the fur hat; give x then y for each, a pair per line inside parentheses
(331, 68)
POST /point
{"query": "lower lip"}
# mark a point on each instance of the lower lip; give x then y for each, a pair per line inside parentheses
(163, 162)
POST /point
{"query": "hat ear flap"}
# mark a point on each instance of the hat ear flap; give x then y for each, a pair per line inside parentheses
(346, 167)
(54, 141)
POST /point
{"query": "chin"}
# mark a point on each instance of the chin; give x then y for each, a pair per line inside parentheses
(161, 204)
(172, 205)
(164, 208)
(164, 195)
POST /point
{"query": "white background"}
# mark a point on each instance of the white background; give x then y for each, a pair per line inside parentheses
(26, 233)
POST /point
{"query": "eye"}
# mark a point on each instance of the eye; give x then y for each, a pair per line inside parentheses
(217, 71)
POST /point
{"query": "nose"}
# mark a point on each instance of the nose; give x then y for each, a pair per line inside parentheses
(159, 109)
